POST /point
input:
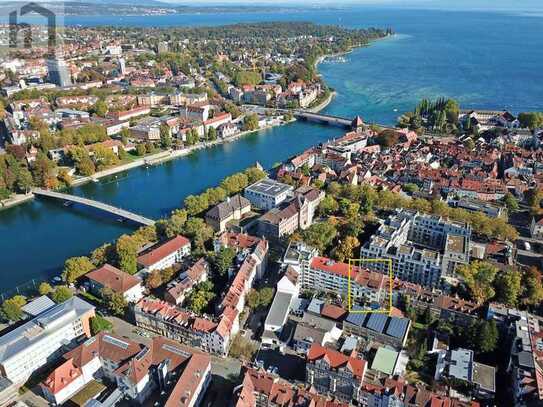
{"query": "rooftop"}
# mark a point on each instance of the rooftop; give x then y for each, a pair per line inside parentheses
(268, 187)
(385, 360)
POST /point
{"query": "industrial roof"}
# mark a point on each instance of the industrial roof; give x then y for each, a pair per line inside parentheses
(385, 360)
(279, 309)
(38, 306)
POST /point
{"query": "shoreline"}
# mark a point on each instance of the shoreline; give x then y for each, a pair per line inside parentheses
(149, 160)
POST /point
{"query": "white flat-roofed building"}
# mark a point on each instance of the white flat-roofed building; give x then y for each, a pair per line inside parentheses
(41, 340)
(267, 193)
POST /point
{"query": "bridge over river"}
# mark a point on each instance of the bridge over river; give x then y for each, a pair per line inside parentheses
(95, 204)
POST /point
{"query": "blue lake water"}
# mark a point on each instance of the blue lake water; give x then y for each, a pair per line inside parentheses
(485, 60)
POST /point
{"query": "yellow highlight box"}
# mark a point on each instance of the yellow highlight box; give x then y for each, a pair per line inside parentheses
(358, 262)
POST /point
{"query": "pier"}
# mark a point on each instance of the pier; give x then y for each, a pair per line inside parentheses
(95, 204)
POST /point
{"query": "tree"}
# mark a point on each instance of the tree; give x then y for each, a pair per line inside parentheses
(115, 302)
(266, 296)
(45, 288)
(211, 134)
(328, 206)
(484, 336)
(126, 249)
(100, 108)
(222, 260)
(165, 136)
(534, 197)
(76, 267)
(141, 150)
(531, 120)
(85, 167)
(11, 308)
(102, 255)
(511, 202)
(250, 122)
(320, 235)
(508, 287)
(346, 248)
(62, 294)
(199, 231)
(533, 287)
(479, 278)
(201, 295)
(99, 324)
(254, 174)
(154, 280)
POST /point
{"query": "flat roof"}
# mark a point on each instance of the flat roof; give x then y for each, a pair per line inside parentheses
(269, 187)
(385, 360)
(41, 326)
(279, 309)
(456, 243)
(38, 305)
(484, 376)
(460, 364)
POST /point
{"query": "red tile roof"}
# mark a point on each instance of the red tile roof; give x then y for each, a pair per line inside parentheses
(61, 377)
(337, 359)
(160, 251)
(113, 278)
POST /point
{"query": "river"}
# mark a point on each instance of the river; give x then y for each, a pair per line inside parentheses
(485, 59)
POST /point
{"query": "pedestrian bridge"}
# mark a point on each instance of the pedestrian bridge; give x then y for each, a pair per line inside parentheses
(323, 118)
(95, 204)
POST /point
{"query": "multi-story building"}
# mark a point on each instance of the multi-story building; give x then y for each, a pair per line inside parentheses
(178, 289)
(332, 373)
(292, 215)
(267, 193)
(177, 373)
(42, 339)
(107, 276)
(232, 209)
(423, 248)
(164, 255)
(378, 327)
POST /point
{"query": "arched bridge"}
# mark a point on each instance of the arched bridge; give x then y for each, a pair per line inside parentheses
(95, 204)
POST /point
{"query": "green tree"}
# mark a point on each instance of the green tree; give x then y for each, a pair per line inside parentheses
(254, 174)
(200, 297)
(76, 267)
(99, 108)
(141, 150)
(126, 249)
(511, 202)
(115, 302)
(45, 288)
(320, 235)
(479, 278)
(100, 324)
(508, 287)
(328, 206)
(165, 136)
(62, 294)
(222, 260)
(199, 231)
(11, 308)
(533, 287)
(211, 134)
(250, 122)
(346, 248)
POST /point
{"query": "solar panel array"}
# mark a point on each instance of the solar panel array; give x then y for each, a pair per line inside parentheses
(176, 350)
(115, 342)
(356, 318)
(397, 327)
(377, 322)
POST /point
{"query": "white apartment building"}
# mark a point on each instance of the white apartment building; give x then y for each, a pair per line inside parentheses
(164, 255)
(41, 340)
(324, 274)
(267, 193)
(424, 249)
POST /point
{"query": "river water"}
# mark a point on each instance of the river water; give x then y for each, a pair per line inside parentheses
(485, 59)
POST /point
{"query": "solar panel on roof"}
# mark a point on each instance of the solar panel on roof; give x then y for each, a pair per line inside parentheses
(376, 322)
(176, 350)
(397, 327)
(356, 318)
(115, 342)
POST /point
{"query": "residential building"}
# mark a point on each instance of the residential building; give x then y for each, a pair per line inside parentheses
(459, 364)
(332, 373)
(291, 215)
(382, 328)
(423, 248)
(230, 210)
(178, 289)
(118, 281)
(261, 389)
(137, 370)
(267, 193)
(314, 329)
(536, 228)
(164, 254)
(42, 339)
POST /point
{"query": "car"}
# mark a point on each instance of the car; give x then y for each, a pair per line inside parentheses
(527, 246)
